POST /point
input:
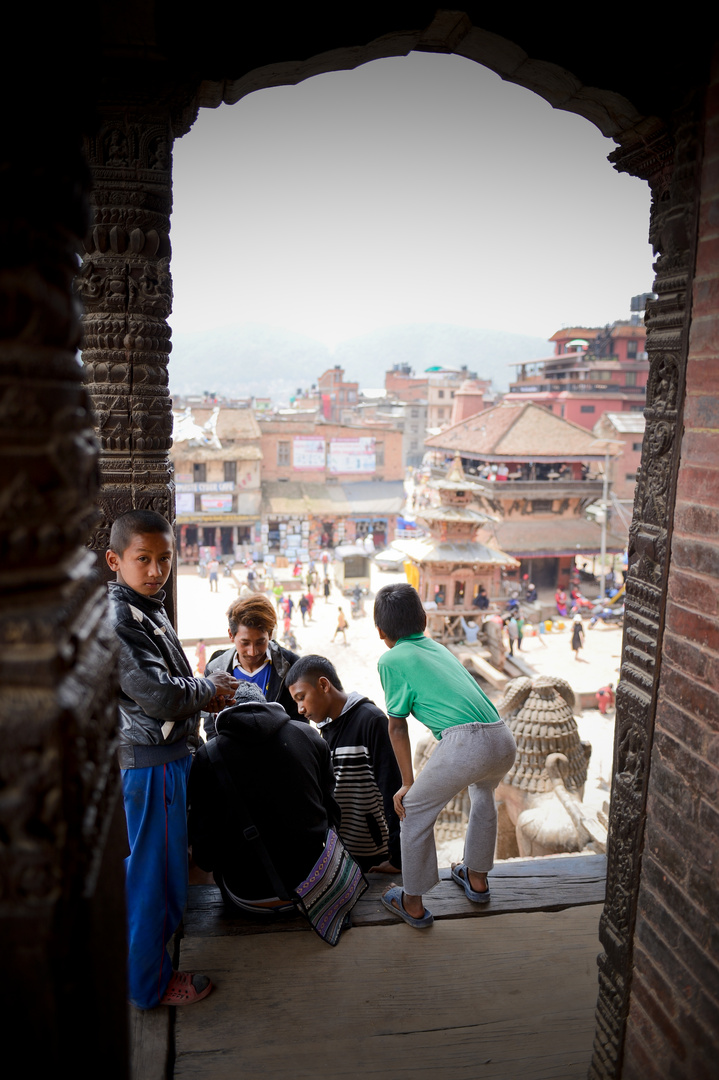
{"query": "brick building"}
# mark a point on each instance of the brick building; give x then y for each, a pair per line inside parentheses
(591, 372)
(324, 484)
(217, 458)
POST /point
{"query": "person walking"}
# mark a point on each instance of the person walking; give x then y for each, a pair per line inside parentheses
(577, 636)
(341, 626)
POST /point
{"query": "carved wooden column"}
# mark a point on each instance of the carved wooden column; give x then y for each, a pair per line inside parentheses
(126, 291)
(62, 945)
(670, 162)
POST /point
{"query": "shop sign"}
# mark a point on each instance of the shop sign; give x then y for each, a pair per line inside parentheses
(221, 504)
(308, 453)
(352, 455)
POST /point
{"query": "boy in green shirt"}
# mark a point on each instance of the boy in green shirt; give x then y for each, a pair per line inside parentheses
(476, 750)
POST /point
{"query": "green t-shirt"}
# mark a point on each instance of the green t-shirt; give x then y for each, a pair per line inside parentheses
(421, 677)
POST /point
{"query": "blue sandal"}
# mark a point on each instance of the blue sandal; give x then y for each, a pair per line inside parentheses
(471, 894)
(396, 893)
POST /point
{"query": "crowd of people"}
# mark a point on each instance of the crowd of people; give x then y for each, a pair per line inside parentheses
(298, 754)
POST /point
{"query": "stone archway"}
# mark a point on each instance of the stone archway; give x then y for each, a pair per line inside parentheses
(61, 726)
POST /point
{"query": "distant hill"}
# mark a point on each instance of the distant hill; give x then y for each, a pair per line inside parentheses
(255, 359)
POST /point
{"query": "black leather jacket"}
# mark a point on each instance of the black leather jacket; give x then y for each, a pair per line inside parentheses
(160, 698)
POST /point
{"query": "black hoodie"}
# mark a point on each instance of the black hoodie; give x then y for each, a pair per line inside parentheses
(284, 771)
(367, 776)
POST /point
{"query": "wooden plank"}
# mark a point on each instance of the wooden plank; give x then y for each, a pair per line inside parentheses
(487, 671)
(546, 884)
(510, 997)
(149, 1031)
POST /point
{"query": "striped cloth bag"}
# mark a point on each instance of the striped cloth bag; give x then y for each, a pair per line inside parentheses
(331, 890)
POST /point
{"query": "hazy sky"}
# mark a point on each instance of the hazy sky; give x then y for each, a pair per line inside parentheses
(417, 189)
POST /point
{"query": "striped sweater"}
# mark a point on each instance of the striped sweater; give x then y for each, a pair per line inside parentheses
(367, 776)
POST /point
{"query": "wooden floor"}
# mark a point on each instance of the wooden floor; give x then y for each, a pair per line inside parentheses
(507, 991)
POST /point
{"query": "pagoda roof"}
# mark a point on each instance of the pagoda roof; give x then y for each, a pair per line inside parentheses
(520, 431)
(427, 549)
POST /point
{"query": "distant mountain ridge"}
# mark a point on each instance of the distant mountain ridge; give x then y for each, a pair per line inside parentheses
(255, 359)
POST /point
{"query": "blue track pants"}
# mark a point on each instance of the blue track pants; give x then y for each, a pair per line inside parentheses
(156, 873)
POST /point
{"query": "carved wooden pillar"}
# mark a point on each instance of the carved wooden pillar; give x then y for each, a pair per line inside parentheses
(670, 162)
(126, 293)
(62, 996)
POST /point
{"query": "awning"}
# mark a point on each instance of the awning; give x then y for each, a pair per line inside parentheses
(373, 498)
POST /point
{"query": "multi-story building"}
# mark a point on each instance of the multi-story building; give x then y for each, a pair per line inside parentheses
(592, 371)
(216, 455)
(324, 484)
(444, 386)
(335, 394)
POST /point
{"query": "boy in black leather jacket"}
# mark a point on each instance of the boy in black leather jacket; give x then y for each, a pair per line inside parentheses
(160, 701)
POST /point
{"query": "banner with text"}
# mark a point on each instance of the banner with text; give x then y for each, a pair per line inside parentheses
(352, 455)
(308, 453)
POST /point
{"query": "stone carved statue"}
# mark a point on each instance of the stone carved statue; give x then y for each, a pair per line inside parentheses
(540, 799)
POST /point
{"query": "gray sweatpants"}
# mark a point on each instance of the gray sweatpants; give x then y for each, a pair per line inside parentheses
(476, 756)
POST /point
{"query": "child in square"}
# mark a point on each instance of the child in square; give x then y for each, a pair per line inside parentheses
(476, 749)
(160, 702)
(365, 767)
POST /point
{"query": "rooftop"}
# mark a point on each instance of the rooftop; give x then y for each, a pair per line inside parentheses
(520, 431)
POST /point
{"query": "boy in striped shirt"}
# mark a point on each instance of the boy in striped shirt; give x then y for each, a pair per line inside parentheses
(366, 770)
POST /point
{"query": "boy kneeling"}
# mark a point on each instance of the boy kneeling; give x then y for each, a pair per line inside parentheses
(365, 768)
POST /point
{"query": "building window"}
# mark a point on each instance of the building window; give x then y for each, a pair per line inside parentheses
(440, 393)
(637, 447)
(630, 476)
(414, 413)
(459, 594)
(631, 350)
(283, 453)
(230, 472)
(631, 379)
(199, 472)
(586, 408)
(378, 454)
(542, 506)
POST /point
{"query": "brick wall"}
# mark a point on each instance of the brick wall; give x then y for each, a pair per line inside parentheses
(674, 1011)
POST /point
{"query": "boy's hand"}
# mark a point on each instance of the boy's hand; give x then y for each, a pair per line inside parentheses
(225, 686)
(224, 683)
(398, 805)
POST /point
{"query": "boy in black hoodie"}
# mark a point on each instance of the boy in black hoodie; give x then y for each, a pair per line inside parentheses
(365, 767)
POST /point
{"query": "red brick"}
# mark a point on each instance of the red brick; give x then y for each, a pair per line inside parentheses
(708, 217)
(701, 448)
(683, 724)
(693, 626)
(692, 696)
(686, 656)
(665, 1028)
(707, 260)
(692, 917)
(665, 782)
(700, 556)
(690, 518)
(703, 376)
(700, 411)
(693, 591)
(699, 775)
(706, 290)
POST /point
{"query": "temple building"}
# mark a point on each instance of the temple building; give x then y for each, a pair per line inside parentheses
(449, 566)
(537, 475)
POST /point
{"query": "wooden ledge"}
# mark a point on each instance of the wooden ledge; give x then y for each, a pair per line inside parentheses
(546, 884)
